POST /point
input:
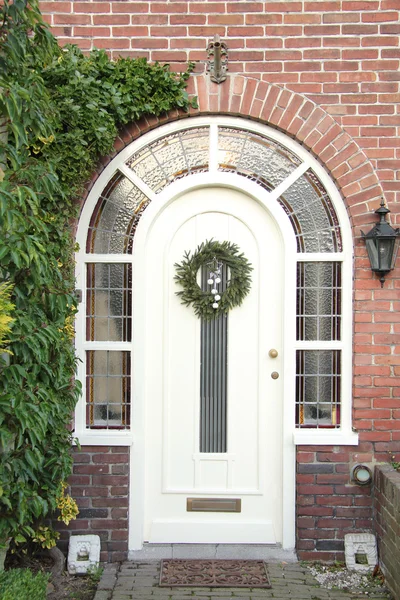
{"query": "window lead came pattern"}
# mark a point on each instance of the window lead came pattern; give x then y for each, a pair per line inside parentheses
(109, 302)
(318, 388)
(108, 389)
(172, 157)
(256, 157)
(312, 215)
(319, 297)
(115, 218)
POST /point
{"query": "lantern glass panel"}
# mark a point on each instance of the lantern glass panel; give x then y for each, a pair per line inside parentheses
(385, 253)
(395, 250)
(372, 250)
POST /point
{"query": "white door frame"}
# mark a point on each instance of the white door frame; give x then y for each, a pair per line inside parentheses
(138, 458)
(291, 436)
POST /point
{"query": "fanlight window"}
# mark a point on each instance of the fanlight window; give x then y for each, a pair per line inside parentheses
(110, 242)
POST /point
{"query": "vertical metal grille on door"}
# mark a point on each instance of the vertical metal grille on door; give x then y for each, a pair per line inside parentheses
(213, 376)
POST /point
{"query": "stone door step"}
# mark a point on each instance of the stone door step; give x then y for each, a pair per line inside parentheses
(269, 552)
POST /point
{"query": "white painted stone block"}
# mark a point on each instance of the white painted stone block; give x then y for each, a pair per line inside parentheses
(83, 554)
(360, 551)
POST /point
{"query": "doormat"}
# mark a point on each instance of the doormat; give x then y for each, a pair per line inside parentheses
(214, 573)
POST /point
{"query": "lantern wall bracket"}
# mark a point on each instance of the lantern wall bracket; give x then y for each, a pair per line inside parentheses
(217, 61)
(382, 244)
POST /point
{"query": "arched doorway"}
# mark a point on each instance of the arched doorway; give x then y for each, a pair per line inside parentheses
(170, 190)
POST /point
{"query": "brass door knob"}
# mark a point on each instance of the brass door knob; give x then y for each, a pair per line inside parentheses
(274, 375)
(273, 353)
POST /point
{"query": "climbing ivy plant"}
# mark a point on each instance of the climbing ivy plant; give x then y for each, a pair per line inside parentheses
(61, 111)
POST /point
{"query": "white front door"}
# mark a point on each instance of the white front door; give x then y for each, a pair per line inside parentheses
(249, 469)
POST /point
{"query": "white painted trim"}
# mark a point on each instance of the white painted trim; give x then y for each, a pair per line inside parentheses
(320, 345)
(321, 257)
(143, 187)
(107, 346)
(290, 436)
(290, 180)
(325, 437)
(109, 437)
(289, 391)
(106, 258)
(213, 158)
(212, 491)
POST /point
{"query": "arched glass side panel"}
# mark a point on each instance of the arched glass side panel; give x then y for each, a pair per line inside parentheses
(115, 218)
(312, 215)
(172, 157)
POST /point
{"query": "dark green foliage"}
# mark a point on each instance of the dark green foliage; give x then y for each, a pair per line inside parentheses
(62, 110)
(22, 584)
(238, 285)
(97, 95)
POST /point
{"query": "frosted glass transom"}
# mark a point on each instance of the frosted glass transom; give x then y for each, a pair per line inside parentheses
(255, 157)
(186, 152)
(172, 157)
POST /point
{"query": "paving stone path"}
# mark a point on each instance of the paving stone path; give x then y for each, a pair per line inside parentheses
(139, 581)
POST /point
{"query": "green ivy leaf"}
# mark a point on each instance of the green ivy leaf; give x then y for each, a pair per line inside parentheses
(63, 110)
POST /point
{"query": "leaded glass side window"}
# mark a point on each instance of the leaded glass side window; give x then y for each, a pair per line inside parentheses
(318, 319)
(318, 388)
(108, 389)
(319, 307)
(109, 302)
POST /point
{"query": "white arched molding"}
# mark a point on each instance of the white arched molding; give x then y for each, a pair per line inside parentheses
(268, 198)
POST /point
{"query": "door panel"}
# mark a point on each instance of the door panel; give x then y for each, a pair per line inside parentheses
(251, 467)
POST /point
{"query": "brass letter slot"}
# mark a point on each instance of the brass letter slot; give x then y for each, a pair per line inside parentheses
(214, 505)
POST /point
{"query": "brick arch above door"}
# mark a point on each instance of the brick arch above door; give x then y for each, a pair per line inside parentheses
(289, 112)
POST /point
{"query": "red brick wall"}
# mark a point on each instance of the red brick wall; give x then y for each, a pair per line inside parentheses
(326, 73)
(100, 486)
(328, 504)
(387, 519)
(343, 55)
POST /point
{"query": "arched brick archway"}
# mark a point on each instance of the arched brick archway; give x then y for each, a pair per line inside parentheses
(291, 113)
(334, 148)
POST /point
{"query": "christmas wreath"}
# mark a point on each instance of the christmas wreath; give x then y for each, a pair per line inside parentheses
(214, 255)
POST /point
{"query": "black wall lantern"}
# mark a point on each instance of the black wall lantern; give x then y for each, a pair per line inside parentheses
(382, 244)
